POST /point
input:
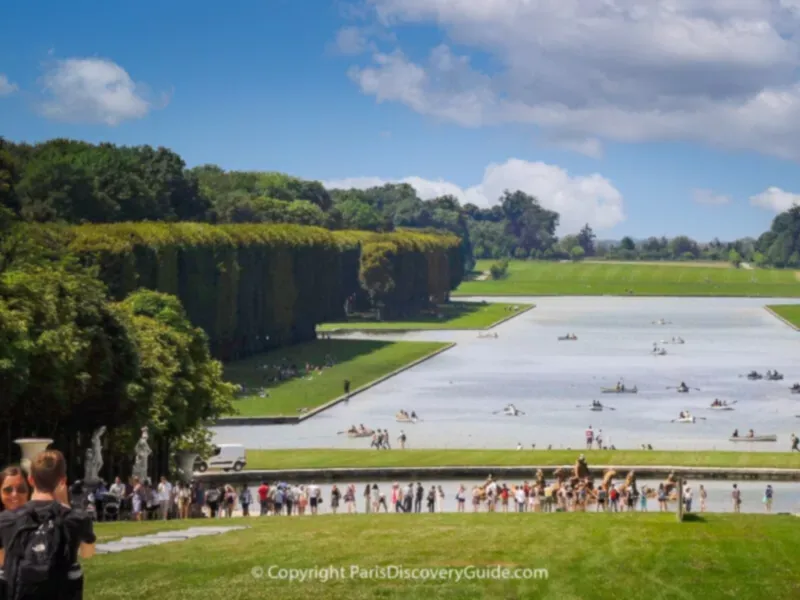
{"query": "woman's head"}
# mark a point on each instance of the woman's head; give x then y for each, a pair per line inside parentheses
(14, 488)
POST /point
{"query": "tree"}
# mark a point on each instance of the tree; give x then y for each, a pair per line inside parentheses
(627, 243)
(586, 239)
(376, 272)
(577, 253)
(735, 258)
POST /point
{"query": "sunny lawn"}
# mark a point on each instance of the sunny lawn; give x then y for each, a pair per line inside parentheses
(579, 555)
(359, 361)
(454, 315)
(790, 312)
(540, 278)
(331, 458)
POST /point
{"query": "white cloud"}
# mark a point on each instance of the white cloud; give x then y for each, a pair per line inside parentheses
(775, 199)
(579, 200)
(6, 87)
(721, 72)
(710, 197)
(93, 90)
(351, 41)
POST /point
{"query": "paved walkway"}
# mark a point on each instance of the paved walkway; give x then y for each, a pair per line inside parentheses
(162, 537)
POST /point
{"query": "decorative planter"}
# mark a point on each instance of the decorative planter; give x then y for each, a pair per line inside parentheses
(30, 448)
(185, 461)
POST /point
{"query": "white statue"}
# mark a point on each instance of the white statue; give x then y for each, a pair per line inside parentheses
(143, 452)
(94, 456)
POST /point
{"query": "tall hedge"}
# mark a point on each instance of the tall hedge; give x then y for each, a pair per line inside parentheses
(255, 287)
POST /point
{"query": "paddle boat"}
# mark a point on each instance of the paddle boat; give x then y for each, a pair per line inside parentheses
(754, 376)
(659, 351)
(404, 417)
(569, 337)
(752, 437)
(359, 432)
(510, 411)
(774, 376)
(620, 390)
(721, 405)
(685, 417)
(795, 389)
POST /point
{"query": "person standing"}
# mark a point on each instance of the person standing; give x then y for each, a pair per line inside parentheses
(736, 496)
(703, 496)
(367, 499)
(263, 494)
(418, 495)
(687, 499)
(245, 499)
(164, 497)
(795, 443)
(768, 498)
(21, 533)
(589, 438)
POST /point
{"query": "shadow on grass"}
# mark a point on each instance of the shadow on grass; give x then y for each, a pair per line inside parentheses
(693, 518)
(261, 371)
(443, 313)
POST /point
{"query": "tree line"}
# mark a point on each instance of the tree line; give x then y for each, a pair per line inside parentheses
(77, 182)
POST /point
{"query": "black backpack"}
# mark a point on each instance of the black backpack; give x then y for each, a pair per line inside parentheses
(38, 556)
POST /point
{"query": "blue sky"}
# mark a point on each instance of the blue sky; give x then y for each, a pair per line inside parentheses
(652, 121)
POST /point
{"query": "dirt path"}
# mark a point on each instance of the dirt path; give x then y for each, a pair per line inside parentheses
(663, 263)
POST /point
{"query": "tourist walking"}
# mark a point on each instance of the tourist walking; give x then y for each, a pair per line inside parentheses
(431, 499)
(795, 443)
(350, 499)
(736, 496)
(687, 499)
(589, 438)
(314, 497)
(460, 497)
(336, 496)
(419, 494)
(263, 493)
(440, 499)
(768, 499)
(402, 440)
(408, 498)
(643, 500)
(366, 499)
(245, 499)
(703, 496)
(662, 498)
(164, 497)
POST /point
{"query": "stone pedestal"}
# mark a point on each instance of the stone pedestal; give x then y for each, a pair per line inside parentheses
(30, 448)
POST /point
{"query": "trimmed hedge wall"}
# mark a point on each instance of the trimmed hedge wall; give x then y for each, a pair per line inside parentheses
(256, 287)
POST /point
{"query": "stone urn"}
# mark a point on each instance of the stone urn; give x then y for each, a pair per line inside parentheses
(185, 460)
(30, 448)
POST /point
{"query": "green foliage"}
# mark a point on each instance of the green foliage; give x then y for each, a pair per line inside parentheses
(499, 269)
(577, 253)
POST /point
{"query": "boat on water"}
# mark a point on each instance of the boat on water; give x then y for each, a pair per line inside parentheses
(722, 407)
(566, 338)
(625, 390)
(360, 434)
(755, 438)
(596, 409)
(405, 419)
(689, 419)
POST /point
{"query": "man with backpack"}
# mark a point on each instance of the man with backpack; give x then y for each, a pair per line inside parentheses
(40, 542)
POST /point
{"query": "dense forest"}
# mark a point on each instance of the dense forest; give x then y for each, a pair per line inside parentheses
(76, 182)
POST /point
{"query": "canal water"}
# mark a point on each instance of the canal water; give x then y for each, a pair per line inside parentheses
(552, 381)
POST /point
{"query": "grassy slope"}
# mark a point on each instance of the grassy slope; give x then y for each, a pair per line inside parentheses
(591, 279)
(790, 312)
(328, 458)
(360, 361)
(455, 315)
(586, 555)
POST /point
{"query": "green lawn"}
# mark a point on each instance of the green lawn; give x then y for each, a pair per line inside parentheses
(536, 278)
(454, 315)
(329, 458)
(360, 361)
(612, 555)
(790, 312)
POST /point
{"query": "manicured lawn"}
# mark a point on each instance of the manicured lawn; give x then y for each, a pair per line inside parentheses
(790, 312)
(360, 361)
(611, 555)
(329, 458)
(455, 315)
(535, 278)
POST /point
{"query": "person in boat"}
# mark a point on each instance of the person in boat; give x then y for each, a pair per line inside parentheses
(735, 433)
(751, 434)
(361, 428)
(620, 387)
(683, 415)
(413, 415)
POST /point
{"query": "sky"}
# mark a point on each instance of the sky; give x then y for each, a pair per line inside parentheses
(663, 117)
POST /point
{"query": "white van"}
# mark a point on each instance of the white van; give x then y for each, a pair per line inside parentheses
(225, 457)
